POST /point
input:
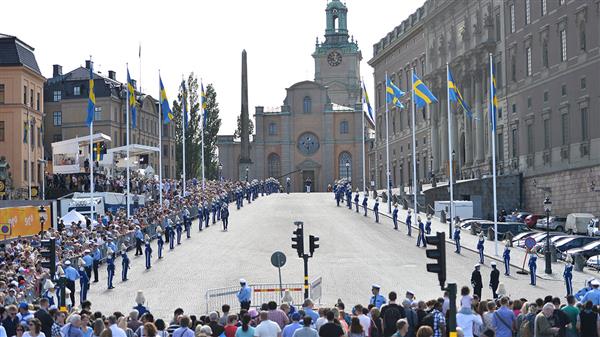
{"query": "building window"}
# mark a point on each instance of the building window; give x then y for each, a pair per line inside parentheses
(546, 134)
(501, 147)
(499, 113)
(344, 127)
(2, 94)
(513, 68)
(584, 124)
(345, 170)
(57, 95)
(528, 61)
(527, 12)
(25, 94)
(274, 164)
(76, 91)
(563, 45)
(544, 8)
(2, 131)
(307, 105)
(57, 118)
(515, 143)
(529, 102)
(98, 113)
(31, 98)
(545, 53)
(498, 28)
(514, 108)
(563, 90)
(512, 18)
(565, 129)
(39, 143)
(25, 169)
(582, 83)
(498, 74)
(582, 39)
(545, 96)
(530, 143)
(25, 132)
(38, 102)
(272, 129)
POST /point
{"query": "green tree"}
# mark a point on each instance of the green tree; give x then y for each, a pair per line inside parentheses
(238, 130)
(213, 124)
(190, 95)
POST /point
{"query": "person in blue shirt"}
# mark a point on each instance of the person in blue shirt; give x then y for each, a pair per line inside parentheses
(594, 294)
(338, 195)
(579, 294)
(214, 211)
(84, 282)
(96, 262)
(506, 258)
(179, 228)
(187, 222)
(421, 235)
(456, 237)
(110, 244)
(206, 214)
(568, 276)
(110, 267)
(395, 216)
(124, 263)
(428, 225)
(288, 330)
(377, 300)
(72, 275)
(408, 222)
(89, 262)
(171, 234)
(244, 295)
(139, 238)
(376, 210)
(159, 241)
(200, 216)
(225, 217)
(288, 185)
(356, 199)
(148, 252)
(365, 203)
(532, 267)
(480, 246)
(349, 197)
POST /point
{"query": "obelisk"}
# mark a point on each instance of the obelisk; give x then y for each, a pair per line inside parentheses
(245, 161)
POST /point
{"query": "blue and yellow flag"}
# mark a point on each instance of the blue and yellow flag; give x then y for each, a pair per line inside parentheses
(393, 93)
(91, 108)
(203, 105)
(132, 100)
(422, 94)
(494, 99)
(184, 104)
(455, 95)
(164, 103)
(365, 101)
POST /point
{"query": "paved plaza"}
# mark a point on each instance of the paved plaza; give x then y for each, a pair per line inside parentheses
(354, 253)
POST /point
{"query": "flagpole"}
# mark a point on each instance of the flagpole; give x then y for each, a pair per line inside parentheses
(28, 154)
(91, 154)
(387, 154)
(128, 159)
(493, 134)
(363, 140)
(414, 154)
(183, 117)
(450, 159)
(160, 126)
(376, 150)
(203, 98)
(140, 59)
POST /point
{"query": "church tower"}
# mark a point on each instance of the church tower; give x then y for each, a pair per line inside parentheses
(337, 59)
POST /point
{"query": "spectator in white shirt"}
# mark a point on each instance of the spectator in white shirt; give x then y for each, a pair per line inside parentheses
(266, 328)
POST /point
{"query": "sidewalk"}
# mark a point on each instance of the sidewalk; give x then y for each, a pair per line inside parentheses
(469, 243)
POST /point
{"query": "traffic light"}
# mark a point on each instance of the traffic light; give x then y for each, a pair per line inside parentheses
(298, 241)
(439, 254)
(48, 252)
(313, 244)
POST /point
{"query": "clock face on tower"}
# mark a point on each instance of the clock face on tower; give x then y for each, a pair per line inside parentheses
(334, 58)
(308, 144)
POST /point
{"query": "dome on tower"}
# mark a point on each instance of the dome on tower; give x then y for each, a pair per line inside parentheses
(336, 4)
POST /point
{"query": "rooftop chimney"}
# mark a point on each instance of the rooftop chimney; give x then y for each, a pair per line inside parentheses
(112, 75)
(56, 70)
(88, 64)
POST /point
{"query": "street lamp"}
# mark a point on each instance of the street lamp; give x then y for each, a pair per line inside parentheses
(547, 254)
(347, 170)
(247, 169)
(43, 217)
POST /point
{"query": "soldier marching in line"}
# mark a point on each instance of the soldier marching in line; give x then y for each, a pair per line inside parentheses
(456, 237)
(187, 222)
(506, 258)
(124, 262)
(494, 279)
(421, 235)
(376, 209)
(408, 222)
(170, 234)
(365, 203)
(395, 216)
(148, 252)
(349, 196)
(84, 281)
(207, 214)
(480, 246)
(110, 267)
(159, 241)
(179, 228)
(225, 216)
(356, 199)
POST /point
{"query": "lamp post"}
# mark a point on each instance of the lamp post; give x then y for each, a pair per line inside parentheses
(43, 216)
(547, 254)
(247, 169)
(348, 170)
(220, 171)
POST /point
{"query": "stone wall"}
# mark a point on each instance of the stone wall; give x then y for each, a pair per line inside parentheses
(570, 191)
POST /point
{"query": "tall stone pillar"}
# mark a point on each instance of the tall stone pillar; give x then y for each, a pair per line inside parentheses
(245, 169)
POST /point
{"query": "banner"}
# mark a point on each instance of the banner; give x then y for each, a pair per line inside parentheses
(2, 187)
(21, 221)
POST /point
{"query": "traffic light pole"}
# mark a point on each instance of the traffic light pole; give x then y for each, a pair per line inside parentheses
(305, 258)
(452, 315)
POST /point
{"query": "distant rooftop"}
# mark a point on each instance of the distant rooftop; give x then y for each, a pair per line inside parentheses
(14, 52)
(399, 31)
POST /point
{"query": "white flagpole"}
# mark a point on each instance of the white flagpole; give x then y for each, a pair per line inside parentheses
(92, 160)
(28, 154)
(183, 118)
(128, 159)
(493, 134)
(160, 126)
(203, 97)
(450, 159)
(363, 139)
(414, 154)
(376, 152)
(387, 153)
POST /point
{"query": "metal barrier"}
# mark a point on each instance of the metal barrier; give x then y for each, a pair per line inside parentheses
(261, 293)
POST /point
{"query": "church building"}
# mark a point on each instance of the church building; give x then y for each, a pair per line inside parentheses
(316, 133)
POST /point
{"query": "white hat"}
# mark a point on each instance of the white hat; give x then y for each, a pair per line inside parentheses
(376, 286)
(243, 281)
(67, 263)
(139, 297)
(477, 265)
(48, 285)
(493, 263)
(595, 282)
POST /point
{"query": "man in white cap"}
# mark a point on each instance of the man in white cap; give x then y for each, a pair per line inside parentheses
(72, 275)
(594, 294)
(377, 300)
(476, 281)
(494, 279)
(89, 262)
(244, 295)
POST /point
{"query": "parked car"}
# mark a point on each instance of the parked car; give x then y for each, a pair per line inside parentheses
(587, 251)
(532, 219)
(577, 223)
(593, 227)
(593, 262)
(503, 227)
(573, 242)
(557, 223)
(553, 240)
(467, 223)
(519, 239)
(540, 237)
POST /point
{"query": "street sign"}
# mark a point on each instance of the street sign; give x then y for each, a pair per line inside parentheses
(278, 259)
(530, 243)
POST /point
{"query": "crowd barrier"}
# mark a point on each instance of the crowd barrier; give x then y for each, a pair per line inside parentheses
(261, 293)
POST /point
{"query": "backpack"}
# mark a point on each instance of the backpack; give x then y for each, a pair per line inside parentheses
(391, 315)
(428, 320)
(524, 329)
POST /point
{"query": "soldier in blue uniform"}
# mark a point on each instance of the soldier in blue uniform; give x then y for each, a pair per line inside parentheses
(187, 222)
(395, 216)
(170, 233)
(377, 300)
(201, 216)
(244, 295)
(376, 210)
(365, 203)
(568, 275)
(139, 238)
(214, 206)
(218, 209)
(480, 246)
(288, 185)
(428, 225)
(84, 281)
(408, 222)
(456, 237)
(179, 228)
(532, 266)
(159, 241)
(579, 295)
(338, 194)
(421, 235)
(207, 214)
(124, 263)
(97, 256)
(356, 200)
(506, 258)
(110, 267)
(89, 262)
(225, 217)
(349, 197)
(148, 252)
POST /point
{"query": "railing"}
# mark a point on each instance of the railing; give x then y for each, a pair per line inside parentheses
(261, 293)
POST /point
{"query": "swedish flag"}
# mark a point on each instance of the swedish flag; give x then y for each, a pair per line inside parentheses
(91, 108)
(494, 99)
(455, 95)
(393, 93)
(164, 103)
(203, 104)
(365, 100)
(132, 100)
(422, 94)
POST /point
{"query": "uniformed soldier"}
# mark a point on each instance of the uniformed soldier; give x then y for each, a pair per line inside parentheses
(124, 263)
(215, 205)
(377, 300)
(506, 257)
(428, 225)
(395, 216)
(579, 295)
(476, 281)
(338, 194)
(349, 197)
(480, 246)
(225, 217)
(568, 275)
(408, 222)
(494, 279)
(421, 235)
(456, 237)
(89, 262)
(187, 221)
(110, 267)
(201, 216)
(365, 203)
(244, 295)
(288, 185)
(207, 214)
(376, 210)
(139, 238)
(97, 256)
(532, 266)
(148, 252)
(84, 281)
(159, 241)
(170, 233)
(356, 199)
(179, 228)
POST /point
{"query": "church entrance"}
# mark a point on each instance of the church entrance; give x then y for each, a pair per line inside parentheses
(306, 175)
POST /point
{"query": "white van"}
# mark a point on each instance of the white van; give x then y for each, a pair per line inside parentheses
(577, 223)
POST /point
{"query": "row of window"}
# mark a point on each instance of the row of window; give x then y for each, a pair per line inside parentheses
(344, 165)
(546, 95)
(543, 11)
(57, 94)
(36, 175)
(273, 130)
(27, 99)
